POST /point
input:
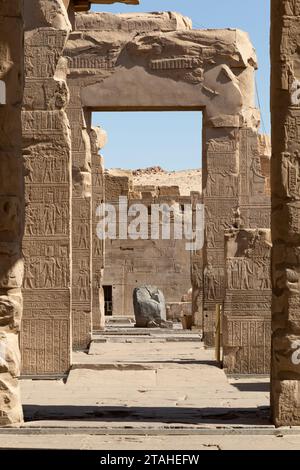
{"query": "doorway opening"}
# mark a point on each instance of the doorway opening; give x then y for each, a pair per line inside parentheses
(108, 304)
(151, 158)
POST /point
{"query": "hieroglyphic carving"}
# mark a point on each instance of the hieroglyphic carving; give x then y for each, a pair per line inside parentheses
(45, 338)
(98, 140)
(247, 318)
(93, 62)
(285, 106)
(177, 63)
(81, 220)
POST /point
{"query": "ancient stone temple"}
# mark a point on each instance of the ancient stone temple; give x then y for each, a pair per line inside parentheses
(58, 64)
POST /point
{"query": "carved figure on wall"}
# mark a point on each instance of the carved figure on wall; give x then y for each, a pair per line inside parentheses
(210, 182)
(211, 231)
(83, 282)
(245, 270)
(49, 272)
(211, 282)
(83, 235)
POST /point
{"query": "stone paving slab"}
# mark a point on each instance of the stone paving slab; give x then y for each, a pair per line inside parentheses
(137, 442)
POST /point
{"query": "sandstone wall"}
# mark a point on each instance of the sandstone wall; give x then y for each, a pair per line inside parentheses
(132, 263)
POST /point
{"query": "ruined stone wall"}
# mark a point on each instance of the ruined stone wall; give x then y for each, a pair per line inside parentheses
(11, 208)
(131, 263)
(247, 305)
(285, 107)
(46, 337)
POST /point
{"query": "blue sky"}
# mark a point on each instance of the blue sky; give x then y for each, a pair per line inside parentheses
(173, 140)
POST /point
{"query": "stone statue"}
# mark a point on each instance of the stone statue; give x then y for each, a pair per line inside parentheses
(149, 307)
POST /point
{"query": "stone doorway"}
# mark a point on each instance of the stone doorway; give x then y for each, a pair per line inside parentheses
(217, 83)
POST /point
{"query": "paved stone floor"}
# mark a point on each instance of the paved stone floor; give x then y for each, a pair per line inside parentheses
(159, 395)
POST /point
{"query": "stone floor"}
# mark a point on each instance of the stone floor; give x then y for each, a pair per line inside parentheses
(153, 394)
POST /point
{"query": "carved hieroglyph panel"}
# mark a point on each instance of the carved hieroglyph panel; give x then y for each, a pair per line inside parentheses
(247, 306)
(46, 336)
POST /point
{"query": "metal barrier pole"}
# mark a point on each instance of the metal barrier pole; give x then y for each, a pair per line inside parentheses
(218, 332)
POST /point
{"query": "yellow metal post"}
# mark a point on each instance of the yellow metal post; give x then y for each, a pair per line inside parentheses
(218, 338)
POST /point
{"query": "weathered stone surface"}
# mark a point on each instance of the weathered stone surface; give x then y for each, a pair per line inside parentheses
(149, 307)
(98, 140)
(133, 22)
(247, 306)
(45, 338)
(11, 208)
(285, 107)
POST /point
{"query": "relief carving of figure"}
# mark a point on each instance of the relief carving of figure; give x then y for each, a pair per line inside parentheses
(245, 270)
(49, 272)
(210, 182)
(49, 170)
(28, 170)
(83, 235)
(211, 231)
(233, 273)
(83, 281)
(264, 276)
(290, 168)
(31, 274)
(211, 282)
(50, 213)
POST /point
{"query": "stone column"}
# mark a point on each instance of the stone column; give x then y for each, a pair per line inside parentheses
(220, 197)
(285, 107)
(11, 208)
(81, 221)
(98, 141)
(236, 179)
(46, 329)
(247, 305)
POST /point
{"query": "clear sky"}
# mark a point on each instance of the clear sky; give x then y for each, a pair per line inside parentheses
(173, 140)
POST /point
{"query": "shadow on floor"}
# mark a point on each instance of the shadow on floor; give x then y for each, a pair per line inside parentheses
(168, 415)
(252, 387)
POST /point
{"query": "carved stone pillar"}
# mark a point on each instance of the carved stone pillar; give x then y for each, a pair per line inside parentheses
(11, 208)
(247, 306)
(285, 107)
(98, 141)
(81, 221)
(220, 197)
(46, 328)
